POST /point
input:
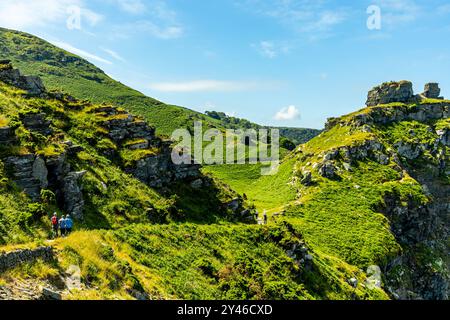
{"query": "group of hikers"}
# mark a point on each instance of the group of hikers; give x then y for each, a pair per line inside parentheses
(265, 218)
(63, 226)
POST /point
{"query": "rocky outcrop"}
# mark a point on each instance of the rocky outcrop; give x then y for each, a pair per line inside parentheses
(385, 115)
(33, 85)
(123, 127)
(34, 173)
(13, 259)
(155, 169)
(390, 92)
(432, 91)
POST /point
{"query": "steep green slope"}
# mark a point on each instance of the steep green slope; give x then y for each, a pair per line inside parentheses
(63, 71)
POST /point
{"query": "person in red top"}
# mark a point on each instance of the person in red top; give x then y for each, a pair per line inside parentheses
(55, 225)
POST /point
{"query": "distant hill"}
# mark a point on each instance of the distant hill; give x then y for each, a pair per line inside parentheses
(296, 135)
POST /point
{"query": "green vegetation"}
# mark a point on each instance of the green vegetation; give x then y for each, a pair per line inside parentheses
(265, 192)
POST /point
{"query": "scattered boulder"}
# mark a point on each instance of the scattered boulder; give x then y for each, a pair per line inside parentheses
(49, 294)
(328, 170)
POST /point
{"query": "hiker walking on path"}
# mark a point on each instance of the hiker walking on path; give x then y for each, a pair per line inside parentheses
(69, 225)
(265, 217)
(62, 226)
(55, 225)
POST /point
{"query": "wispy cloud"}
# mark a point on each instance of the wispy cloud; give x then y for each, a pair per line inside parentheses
(23, 14)
(271, 49)
(132, 6)
(204, 86)
(398, 12)
(113, 54)
(304, 16)
(79, 52)
(160, 20)
(288, 113)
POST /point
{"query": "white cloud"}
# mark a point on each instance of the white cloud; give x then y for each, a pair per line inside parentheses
(23, 14)
(288, 113)
(396, 12)
(132, 6)
(113, 54)
(203, 86)
(267, 49)
(270, 49)
(79, 52)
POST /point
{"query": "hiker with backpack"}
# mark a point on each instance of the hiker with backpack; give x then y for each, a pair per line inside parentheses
(69, 225)
(55, 225)
(62, 226)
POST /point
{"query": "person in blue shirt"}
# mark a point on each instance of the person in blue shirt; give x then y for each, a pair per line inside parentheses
(69, 224)
(62, 226)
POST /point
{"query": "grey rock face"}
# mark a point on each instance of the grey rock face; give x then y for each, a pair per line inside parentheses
(408, 151)
(12, 76)
(73, 195)
(6, 135)
(21, 169)
(40, 172)
(432, 91)
(390, 92)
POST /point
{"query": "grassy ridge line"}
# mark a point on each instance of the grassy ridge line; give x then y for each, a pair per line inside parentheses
(63, 71)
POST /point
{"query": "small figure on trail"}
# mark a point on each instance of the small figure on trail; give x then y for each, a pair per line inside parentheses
(69, 225)
(265, 217)
(62, 226)
(55, 225)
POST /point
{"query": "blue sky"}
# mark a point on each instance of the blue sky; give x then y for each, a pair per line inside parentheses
(275, 62)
